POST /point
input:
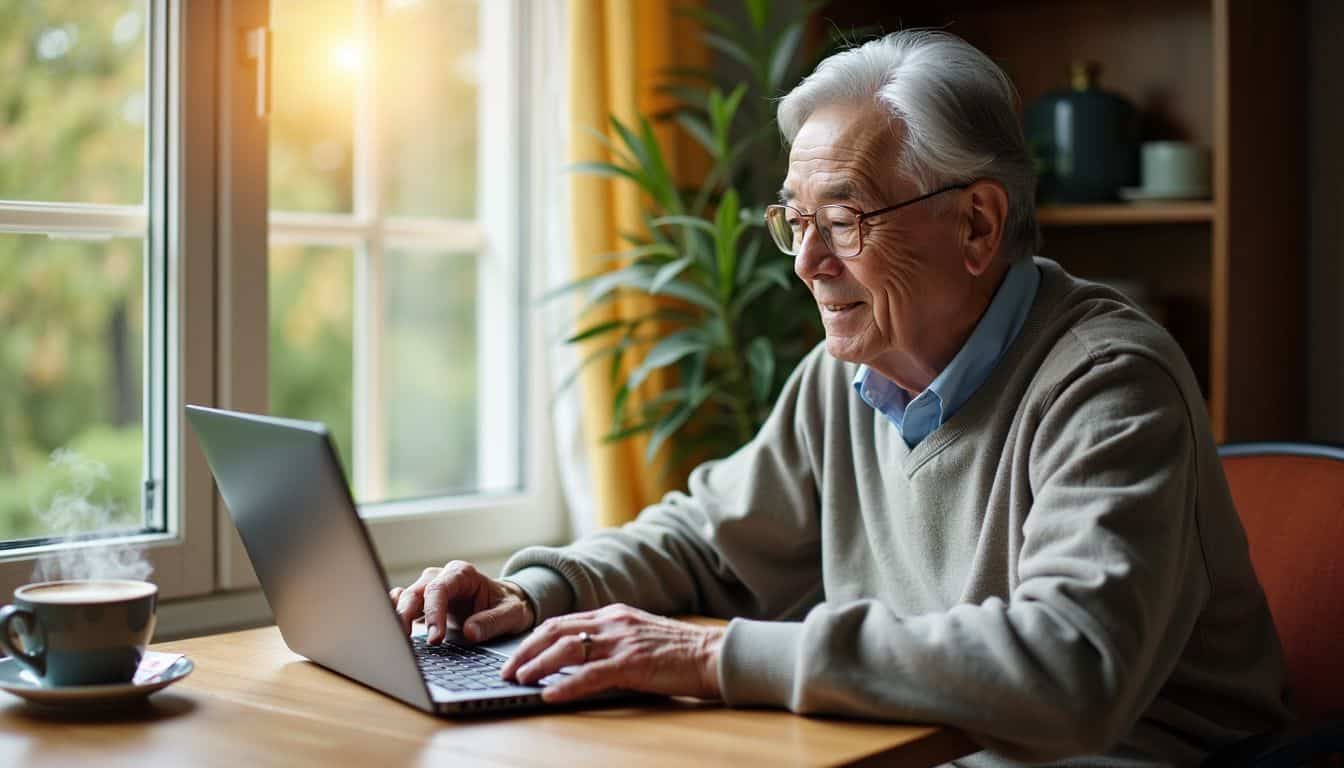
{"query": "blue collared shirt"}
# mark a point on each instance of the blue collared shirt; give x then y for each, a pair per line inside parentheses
(916, 417)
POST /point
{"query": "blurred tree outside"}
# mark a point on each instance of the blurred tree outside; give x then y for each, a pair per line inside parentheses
(72, 129)
(73, 112)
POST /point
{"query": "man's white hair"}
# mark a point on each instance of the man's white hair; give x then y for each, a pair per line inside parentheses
(957, 109)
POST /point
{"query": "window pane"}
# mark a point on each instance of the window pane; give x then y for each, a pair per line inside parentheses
(319, 59)
(73, 100)
(428, 65)
(71, 391)
(429, 396)
(311, 328)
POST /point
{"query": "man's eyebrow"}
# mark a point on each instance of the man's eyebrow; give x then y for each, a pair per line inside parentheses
(840, 190)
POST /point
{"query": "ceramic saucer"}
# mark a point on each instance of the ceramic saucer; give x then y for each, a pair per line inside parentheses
(19, 681)
(1140, 194)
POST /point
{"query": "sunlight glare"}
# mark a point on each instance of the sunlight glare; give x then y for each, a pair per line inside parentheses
(347, 56)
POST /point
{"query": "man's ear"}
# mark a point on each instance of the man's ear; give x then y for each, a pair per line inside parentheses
(985, 215)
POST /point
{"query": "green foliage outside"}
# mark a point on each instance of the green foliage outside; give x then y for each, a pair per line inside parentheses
(72, 113)
(73, 108)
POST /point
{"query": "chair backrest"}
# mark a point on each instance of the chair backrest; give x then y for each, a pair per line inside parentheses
(1290, 497)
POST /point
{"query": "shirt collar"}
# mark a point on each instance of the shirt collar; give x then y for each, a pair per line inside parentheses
(972, 364)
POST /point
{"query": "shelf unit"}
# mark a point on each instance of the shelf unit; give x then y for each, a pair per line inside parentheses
(1228, 272)
(1119, 214)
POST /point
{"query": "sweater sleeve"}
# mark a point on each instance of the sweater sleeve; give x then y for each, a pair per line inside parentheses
(745, 540)
(1110, 580)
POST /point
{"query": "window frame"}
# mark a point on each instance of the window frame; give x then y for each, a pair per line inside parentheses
(425, 531)
(181, 554)
(208, 174)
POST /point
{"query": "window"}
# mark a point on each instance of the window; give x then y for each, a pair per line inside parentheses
(395, 305)
(75, 260)
(327, 220)
(84, 351)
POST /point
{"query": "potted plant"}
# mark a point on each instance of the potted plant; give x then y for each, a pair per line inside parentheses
(732, 322)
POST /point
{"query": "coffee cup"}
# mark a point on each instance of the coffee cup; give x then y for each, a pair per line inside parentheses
(1174, 169)
(88, 632)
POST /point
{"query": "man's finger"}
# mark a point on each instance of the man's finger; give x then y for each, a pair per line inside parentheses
(543, 637)
(564, 652)
(589, 679)
(454, 581)
(505, 618)
(409, 604)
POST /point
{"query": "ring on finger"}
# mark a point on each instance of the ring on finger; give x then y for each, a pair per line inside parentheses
(586, 642)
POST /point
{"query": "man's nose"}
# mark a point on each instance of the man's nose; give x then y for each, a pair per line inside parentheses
(814, 258)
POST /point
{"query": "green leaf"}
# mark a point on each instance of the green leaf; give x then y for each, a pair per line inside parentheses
(674, 421)
(621, 434)
(728, 227)
(656, 168)
(769, 276)
(669, 272)
(631, 141)
(596, 330)
(684, 221)
(699, 130)
(592, 357)
(731, 49)
(667, 352)
(783, 55)
(614, 369)
(618, 405)
(605, 169)
(758, 10)
(734, 100)
(761, 363)
(747, 262)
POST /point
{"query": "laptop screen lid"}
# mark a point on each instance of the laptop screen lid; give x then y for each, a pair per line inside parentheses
(318, 569)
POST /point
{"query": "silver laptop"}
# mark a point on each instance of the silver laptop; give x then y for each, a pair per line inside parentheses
(289, 499)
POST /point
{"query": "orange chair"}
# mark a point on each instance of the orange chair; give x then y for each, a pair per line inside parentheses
(1290, 497)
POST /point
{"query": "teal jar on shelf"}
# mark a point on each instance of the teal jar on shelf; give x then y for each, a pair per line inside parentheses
(1085, 141)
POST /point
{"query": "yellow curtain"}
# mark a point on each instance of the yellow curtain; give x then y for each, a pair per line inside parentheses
(618, 50)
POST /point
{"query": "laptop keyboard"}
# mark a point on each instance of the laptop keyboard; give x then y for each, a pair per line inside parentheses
(459, 667)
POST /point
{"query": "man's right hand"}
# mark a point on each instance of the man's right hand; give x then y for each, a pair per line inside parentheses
(459, 593)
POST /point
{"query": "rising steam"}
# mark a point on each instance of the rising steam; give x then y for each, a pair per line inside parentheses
(72, 514)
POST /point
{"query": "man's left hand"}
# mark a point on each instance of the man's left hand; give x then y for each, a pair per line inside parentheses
(627, 648)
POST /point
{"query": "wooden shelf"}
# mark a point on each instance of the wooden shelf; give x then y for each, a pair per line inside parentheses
(1122, 214)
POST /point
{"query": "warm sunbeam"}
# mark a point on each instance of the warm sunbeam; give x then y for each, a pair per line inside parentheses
(347, 56)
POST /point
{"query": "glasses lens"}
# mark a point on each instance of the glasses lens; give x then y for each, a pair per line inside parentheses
(840, 229)
(785, 226)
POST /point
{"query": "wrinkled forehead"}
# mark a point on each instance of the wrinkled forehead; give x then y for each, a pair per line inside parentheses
(844, 153)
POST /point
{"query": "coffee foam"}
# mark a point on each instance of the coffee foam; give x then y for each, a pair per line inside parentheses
(86, 591)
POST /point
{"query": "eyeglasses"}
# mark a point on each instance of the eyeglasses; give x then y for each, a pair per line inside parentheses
(840, 226)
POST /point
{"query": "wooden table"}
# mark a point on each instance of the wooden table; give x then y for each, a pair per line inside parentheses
(253, 702)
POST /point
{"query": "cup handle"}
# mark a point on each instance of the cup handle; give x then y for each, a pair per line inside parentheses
(37, 662)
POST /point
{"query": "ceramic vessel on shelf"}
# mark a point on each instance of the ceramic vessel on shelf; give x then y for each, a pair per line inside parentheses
(1085, 140)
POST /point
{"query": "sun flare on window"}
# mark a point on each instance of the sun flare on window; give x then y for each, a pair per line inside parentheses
(347, 57)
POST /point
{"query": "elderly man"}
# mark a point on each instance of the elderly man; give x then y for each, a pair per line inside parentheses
(991, 501)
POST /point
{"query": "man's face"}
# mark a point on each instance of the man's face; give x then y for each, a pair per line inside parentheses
(903, 292)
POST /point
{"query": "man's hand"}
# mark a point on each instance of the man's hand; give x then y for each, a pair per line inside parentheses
(627, 648)
(483, 607)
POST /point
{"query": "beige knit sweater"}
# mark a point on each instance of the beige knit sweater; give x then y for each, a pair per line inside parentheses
(1058, 569)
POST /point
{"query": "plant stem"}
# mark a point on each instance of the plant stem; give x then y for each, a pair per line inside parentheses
(737, 377)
